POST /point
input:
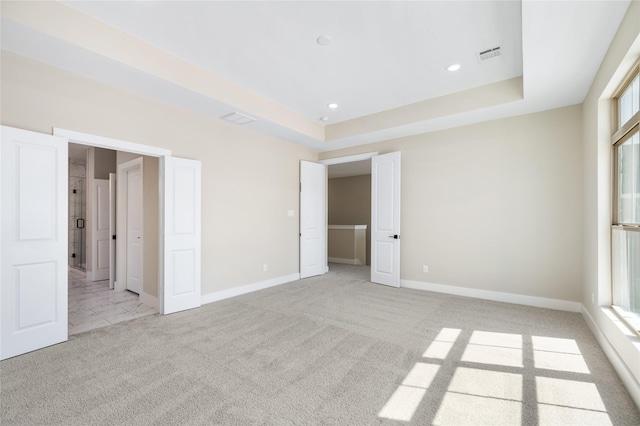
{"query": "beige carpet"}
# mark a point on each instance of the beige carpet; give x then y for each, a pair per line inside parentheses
(326, 350)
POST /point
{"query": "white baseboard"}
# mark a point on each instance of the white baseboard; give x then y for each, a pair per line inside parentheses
(149, 300)
(497, 296)
(344, 261)
(260, 285)
(627, 378)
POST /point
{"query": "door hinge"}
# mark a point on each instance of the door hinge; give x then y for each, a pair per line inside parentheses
(113, 237)
(300, 186)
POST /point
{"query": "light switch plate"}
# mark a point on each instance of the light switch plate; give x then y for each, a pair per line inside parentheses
(290, 213)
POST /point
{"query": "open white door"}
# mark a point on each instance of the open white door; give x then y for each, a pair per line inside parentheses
(134, 231)
(34, 235)
(100, 238)
(385, 219)
(182, 253)
(112, 230)
(129, 226)
(313, 219)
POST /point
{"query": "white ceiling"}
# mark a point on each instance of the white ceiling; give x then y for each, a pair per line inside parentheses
(382, 55)
(385, 58)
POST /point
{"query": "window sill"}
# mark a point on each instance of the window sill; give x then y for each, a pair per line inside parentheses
(619, 343)
(629, 319)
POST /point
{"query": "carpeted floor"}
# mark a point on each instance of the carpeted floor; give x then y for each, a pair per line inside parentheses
(334, 349)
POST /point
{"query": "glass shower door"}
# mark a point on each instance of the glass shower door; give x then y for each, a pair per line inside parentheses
(77, 231)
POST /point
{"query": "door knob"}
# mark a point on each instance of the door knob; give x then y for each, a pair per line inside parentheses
(395, 236)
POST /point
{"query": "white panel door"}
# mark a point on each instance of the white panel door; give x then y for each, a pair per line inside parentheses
(182, 252)
(34, 235)
(129, 243)
(313, 219)
(134, 229)
(100, 221)
(385, 219)
(112, 230)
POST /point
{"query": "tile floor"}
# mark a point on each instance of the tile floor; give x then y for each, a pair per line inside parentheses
(92, 305)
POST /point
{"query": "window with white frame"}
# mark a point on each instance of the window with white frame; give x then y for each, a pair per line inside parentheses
(626, 201)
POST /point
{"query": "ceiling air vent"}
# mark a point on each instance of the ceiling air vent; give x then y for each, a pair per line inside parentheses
(237, 118)
(485, 55)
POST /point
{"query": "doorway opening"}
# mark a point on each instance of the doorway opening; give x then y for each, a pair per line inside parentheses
(349, 209)
(97, 296)
(385, 210)
(35, 234)
(349, 213)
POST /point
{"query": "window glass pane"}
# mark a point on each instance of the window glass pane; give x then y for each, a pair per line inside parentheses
(626, 276)
(629, 180)
(629, 102)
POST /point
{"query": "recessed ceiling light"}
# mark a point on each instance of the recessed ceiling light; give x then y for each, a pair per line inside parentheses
(333, 106)
(324, 118)
(323, 40)
(453, 67)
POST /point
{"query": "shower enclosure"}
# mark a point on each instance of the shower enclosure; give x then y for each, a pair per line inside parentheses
(77, 214)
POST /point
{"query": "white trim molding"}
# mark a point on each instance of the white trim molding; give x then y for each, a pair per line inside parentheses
(344, 261)
(614, 358)
(352, 227)
(108, 143)
(496, 296)
(348, 158)
(249, 288)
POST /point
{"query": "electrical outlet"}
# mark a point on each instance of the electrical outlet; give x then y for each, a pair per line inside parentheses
(425, 269)
(265, 268)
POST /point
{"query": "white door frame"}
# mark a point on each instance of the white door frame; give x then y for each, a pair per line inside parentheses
(119, 145)
(122, 226)
(348, 158)
(112, 230)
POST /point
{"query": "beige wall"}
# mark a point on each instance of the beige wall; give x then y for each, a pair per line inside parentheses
(347, 246)
(249, 180)
(341, 243)
(349, 203)
(105, 163)
(494, 206)
(623, 52)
